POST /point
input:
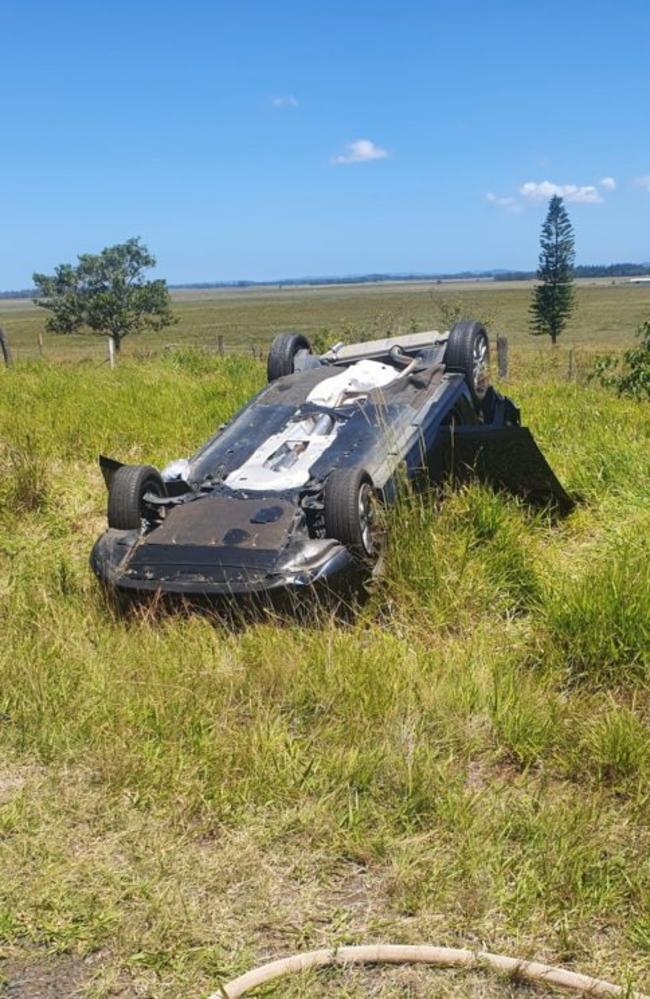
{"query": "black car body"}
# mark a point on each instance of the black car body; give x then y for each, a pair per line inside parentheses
(284, 494)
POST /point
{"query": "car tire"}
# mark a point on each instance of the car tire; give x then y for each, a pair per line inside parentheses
(282, 354)
(129, 484)
(349, 501)
(468, 352)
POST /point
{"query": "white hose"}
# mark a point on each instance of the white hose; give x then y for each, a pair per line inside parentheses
(446, 957)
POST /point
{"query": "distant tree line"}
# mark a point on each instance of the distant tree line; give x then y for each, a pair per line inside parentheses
(587, 271)
(23, 293)
(581, 271)
(612, 270)
(339, 279)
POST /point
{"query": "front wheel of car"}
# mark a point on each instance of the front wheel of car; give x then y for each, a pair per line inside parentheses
(351, 511)
(468, 352)
(282, 354)
(127, 507)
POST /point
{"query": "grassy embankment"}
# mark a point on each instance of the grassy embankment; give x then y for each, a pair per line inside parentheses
(465, 761)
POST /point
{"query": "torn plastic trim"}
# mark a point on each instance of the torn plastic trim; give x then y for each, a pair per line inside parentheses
(108, 468)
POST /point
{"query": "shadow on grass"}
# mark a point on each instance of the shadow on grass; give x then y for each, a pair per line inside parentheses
(311, 607)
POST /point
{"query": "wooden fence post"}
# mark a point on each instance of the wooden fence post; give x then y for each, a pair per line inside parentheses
(5, 349)
(220, 345)
(569, 373)
(502, 356)
(39, 340)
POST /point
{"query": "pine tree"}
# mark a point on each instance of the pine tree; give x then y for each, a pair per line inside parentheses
(553, 298)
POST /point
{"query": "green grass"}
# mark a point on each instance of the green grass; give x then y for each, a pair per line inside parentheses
(463, 760)
(606, 317)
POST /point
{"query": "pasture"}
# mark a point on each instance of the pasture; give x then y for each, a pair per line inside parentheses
(605, 319)
(463, 758)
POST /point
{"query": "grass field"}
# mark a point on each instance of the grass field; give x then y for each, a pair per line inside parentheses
(606, 317)
(465, 759)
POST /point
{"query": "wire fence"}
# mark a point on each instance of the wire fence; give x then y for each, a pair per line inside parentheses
(510, 360)
(99, 350)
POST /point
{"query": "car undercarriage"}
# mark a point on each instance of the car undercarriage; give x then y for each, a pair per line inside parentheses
(287, 494)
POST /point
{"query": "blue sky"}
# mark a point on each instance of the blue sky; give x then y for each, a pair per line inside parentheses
(268, 139)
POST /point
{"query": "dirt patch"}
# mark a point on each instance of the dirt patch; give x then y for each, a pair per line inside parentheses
(12, 779)
(483, 773)
(55, 977)
(409, 982)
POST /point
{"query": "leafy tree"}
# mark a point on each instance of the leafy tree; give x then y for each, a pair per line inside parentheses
(553, 298)
(106, 293)
(631, 375)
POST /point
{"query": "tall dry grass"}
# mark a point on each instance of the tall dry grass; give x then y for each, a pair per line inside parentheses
(465, 757)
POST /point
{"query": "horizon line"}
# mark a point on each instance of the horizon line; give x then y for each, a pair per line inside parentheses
(369, 277)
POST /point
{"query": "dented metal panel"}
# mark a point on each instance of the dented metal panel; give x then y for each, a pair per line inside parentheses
(506, 458)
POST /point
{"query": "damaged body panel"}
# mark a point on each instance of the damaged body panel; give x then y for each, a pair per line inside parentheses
(286, 494)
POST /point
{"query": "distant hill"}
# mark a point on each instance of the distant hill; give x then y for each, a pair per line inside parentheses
(497, 274)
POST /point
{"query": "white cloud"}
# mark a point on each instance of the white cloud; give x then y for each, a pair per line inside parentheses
(608, 183)
(586, 194)
(361, 151)
(508, 204)
(284, 101)
(644, 182)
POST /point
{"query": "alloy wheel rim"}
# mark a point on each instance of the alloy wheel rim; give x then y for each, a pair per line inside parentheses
(366, 518)
(480, 359)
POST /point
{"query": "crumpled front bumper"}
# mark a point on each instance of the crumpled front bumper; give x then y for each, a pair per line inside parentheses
(124, 560)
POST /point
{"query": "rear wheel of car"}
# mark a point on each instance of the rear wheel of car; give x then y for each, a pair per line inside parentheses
(350, 511)
(282, 354)
(129, 485)
(468, 352)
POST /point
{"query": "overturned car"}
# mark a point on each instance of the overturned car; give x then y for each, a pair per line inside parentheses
(287, 493)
